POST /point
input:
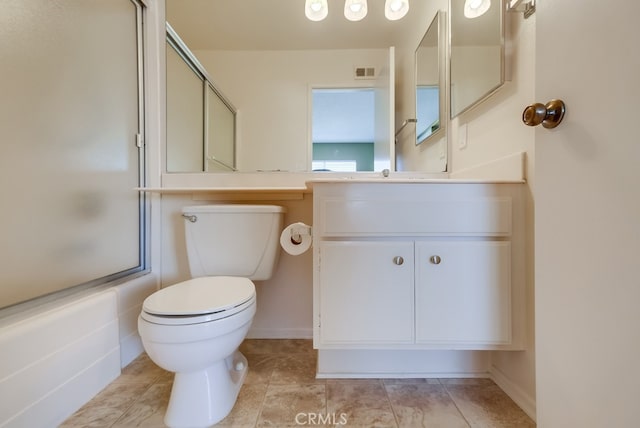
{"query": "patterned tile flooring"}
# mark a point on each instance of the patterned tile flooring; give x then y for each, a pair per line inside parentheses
(281, 391)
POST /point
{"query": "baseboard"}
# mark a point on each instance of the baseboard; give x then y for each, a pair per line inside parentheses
(402, 375)
(130, 349)
(280, 333)
(366, 363)
(517, 394)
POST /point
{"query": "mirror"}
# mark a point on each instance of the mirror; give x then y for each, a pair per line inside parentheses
(476, 54)
(430, 78)
(200, 120)
(266, 57)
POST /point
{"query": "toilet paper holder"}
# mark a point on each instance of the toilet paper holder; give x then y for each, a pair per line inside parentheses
(298, 231)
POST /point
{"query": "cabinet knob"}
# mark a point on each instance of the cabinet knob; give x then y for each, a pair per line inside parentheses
(435, 260)
(398, 260)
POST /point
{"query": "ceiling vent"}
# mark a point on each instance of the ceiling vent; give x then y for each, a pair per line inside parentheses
(364, 73)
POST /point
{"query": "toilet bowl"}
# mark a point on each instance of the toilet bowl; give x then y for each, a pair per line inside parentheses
(194, 328)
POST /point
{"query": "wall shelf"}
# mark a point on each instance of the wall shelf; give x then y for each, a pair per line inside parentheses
(233, 193)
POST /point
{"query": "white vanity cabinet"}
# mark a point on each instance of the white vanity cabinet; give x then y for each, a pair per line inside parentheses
(418, 266)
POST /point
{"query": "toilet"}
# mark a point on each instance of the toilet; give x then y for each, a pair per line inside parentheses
(194, 328)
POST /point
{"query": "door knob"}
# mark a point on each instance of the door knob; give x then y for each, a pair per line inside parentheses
(398, 260)
(549, 115)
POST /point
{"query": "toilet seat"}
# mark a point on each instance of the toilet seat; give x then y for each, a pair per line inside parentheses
(199, 300)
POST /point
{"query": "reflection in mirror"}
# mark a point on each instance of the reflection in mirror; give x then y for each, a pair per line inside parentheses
(200, 121)
(430, 80)
(343, 129)
(185, 112)
(219, 132)
(477, 55)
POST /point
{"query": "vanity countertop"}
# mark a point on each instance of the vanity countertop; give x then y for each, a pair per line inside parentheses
(413, 180)
(307, 185)
(508, 170)
(298, 192)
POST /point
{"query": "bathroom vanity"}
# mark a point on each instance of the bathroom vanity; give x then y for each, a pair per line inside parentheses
(417, 265)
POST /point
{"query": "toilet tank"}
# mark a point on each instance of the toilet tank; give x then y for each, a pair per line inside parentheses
(233, 240)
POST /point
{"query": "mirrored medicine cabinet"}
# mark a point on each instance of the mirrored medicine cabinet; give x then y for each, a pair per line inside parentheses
(430, 60)
(476, 54)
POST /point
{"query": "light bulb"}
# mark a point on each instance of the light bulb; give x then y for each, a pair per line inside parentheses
(396, 9)
(474, 4)
(355, 10)
(316, 10)
(476, 8)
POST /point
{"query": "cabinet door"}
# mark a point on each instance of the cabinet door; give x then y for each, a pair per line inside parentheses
(463, 292)
(366, 292)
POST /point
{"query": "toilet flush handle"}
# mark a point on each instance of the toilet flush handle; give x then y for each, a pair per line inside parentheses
(192, 218)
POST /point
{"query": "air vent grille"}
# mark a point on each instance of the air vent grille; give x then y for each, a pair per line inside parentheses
(365, 73)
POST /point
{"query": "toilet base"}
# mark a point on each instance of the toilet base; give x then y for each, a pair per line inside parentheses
(204, 398)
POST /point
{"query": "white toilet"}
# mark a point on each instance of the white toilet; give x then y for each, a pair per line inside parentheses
(194, 328)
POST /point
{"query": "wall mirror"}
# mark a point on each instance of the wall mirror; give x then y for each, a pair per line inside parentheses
(201, 122)
(265, 56)
(430, 81)
(476, 51)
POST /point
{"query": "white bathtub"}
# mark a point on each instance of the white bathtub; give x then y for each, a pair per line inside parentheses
(54, 360)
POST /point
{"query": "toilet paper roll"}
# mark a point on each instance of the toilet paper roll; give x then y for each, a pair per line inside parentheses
(295, 239)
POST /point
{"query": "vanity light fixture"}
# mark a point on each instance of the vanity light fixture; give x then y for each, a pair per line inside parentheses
(395, 9)
(316, 10)
(355, 10)
(476, 8)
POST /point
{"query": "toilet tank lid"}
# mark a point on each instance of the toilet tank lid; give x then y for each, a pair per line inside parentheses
(238, 208)
(200, 296)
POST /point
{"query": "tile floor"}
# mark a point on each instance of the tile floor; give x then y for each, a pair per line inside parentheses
(281, 390)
